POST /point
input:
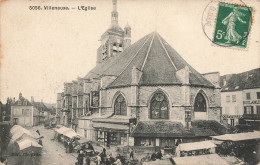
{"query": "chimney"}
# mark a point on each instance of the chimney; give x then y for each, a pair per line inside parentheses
(32, 99)
(224, 82)
(14, 100)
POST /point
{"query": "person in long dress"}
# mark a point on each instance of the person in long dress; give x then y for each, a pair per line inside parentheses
(231, 34)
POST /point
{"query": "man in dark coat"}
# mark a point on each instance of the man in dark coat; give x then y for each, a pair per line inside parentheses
(159, 155)
(153, 157)
(80, 158)
(70, 147)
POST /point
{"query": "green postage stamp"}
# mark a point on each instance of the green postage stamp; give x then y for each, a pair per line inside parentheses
(232, 25)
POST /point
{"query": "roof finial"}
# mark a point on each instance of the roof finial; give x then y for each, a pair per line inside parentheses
(114, 5)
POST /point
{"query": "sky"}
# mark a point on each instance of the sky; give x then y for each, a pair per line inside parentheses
(42, 49)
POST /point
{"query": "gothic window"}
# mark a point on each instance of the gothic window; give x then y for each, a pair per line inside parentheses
(120, 106)
(200, 103)
(159, 106)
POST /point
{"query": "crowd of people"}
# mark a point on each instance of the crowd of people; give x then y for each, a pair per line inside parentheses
(102, 158)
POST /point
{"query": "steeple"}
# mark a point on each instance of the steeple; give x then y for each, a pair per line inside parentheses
(114, 13)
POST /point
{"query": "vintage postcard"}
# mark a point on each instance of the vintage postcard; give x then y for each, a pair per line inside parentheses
(126, 82)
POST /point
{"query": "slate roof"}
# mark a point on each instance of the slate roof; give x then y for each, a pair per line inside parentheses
(207, 127)
(200, 128)
(154, 57)
(241, 81)
(160, 129)
(203, 132)
(24, 102)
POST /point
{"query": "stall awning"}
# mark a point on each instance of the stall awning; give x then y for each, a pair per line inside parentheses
(195, 146)
(238, 136)
(26, 143)
(71, 134)
(212, 159)
(62, 130)
(18, 131)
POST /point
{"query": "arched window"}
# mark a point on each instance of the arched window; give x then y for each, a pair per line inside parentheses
(120, 106)
(159, 106)
(200, 103)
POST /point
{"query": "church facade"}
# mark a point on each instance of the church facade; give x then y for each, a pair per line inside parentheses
(142, 94)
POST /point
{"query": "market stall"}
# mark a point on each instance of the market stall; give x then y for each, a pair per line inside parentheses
(212, 159)
(196, 148)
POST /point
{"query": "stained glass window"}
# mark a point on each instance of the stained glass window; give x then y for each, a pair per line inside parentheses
(200, 103)
(120, 106)
(159, 106)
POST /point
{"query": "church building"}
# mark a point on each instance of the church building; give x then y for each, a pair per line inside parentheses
(145, 93)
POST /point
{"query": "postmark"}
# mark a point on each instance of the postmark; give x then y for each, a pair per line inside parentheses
(227, 24)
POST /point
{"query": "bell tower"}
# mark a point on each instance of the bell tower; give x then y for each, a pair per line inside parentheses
(113, 40)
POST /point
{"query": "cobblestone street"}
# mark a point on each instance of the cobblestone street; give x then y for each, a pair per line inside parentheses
(53, 152)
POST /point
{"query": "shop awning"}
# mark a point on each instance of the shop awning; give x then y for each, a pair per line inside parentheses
(160, 129)
(114, 119)
(238, 136)
(110, 126)
(212, 159)
(195, 146)
(27, 143)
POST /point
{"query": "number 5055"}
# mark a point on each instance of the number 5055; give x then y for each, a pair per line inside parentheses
(35, 7)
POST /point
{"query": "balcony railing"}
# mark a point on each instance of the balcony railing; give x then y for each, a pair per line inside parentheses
(251, 116)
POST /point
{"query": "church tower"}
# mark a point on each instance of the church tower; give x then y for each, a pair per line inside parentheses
(113, 40)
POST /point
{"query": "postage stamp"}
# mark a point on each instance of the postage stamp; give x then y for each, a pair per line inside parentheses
(228, 24)
(232, 25)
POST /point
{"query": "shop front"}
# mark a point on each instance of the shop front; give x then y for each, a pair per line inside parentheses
(112, 131)
(158, 135)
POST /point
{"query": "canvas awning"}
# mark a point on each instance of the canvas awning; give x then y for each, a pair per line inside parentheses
(63, 130)
(238, 136)
(15, 128)
(26, 143)
(195, 146)
(18, 131)
(71, 134)
(212, 159)
(110, 126)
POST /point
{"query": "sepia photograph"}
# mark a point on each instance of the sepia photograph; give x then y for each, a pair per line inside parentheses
(127, 82)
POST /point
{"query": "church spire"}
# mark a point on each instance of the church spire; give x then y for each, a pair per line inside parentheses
(114, 13)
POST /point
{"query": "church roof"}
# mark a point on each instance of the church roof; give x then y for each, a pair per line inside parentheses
(152, 55)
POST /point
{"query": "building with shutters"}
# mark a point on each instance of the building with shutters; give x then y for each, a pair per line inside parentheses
(27, 113)
(240, 98)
